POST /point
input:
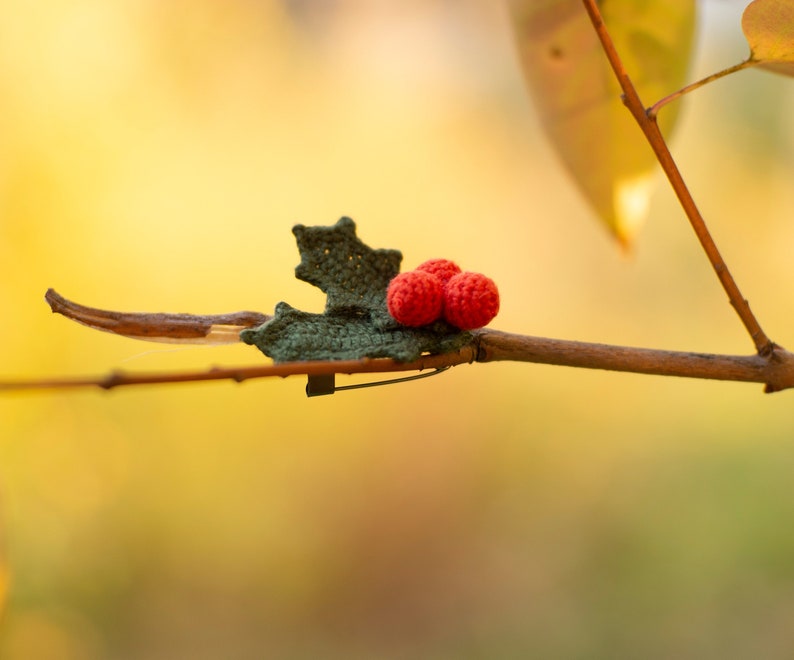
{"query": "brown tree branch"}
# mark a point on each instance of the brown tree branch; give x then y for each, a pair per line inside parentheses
(650, 129)
(775, 370)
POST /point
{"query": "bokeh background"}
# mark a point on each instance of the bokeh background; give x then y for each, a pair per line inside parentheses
(154, 155)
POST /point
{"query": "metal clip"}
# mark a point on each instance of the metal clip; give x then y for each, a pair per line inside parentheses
(320, 385)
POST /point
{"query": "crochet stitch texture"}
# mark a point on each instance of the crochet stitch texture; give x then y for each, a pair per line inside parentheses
(471, 300)
(415, 298)
(356, 322)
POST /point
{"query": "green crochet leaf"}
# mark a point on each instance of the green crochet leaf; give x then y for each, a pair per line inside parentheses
(351, 274)
(356, 322)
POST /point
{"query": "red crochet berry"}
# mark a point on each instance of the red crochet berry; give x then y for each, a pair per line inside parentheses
(443, 269)
(415, 298)
(471, 300)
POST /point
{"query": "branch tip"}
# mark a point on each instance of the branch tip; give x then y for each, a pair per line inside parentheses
(160, 327)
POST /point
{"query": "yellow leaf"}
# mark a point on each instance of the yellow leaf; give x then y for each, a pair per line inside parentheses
(579, 100)
(768, 26)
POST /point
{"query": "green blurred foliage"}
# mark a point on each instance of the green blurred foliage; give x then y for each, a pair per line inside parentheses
(155, 156)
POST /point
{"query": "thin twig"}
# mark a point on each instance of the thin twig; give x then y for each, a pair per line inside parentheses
(240, 374)
(764, 346)
(654, 109)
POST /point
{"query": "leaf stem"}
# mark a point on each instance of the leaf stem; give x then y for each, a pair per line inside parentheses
(764, 346)
(654, 109)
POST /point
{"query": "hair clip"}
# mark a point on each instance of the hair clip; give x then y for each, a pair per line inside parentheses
(320, 385)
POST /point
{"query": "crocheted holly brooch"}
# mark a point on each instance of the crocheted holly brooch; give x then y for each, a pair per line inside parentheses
(372, 310)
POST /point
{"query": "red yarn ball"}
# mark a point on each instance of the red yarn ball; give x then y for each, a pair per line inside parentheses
(415, 298)
(443, 269)
(471, 300)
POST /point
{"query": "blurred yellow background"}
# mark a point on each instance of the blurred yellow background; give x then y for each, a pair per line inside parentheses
(154, 156)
